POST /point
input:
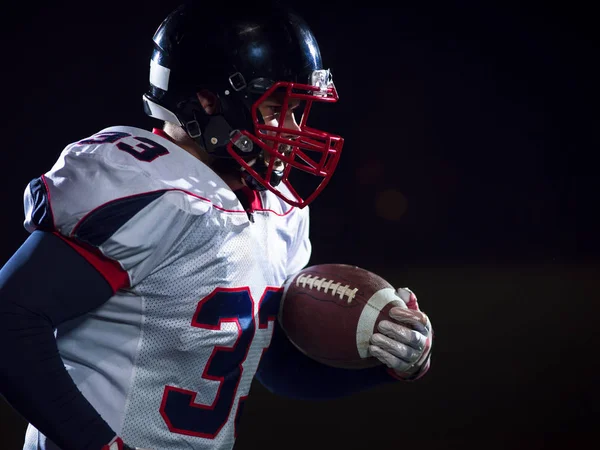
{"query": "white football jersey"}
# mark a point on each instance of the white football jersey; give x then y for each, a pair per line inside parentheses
(169, 359)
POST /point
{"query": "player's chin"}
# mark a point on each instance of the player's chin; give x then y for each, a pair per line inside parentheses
(278, 164)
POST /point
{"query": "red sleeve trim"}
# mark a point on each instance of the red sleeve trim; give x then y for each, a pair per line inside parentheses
(111, 270)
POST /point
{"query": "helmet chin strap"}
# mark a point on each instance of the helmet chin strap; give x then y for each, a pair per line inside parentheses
(212, 133)
(261, 168)
(229, 165)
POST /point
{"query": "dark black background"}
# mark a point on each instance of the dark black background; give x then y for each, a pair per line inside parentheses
(469, 174)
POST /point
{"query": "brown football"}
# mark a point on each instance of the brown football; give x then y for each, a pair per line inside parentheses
(330, 311)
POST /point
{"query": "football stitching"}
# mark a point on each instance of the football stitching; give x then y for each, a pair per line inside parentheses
(326, 284)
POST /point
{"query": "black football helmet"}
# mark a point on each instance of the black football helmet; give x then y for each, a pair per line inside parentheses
(243, 56)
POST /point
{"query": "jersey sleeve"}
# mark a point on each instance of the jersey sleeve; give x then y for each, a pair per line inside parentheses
(106, 202)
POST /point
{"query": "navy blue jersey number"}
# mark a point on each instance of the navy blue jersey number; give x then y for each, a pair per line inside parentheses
(179, 410)
(109, 137)
(147, 151)
(150, 149)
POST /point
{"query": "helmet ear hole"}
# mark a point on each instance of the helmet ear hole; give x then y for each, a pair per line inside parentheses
(209, 101)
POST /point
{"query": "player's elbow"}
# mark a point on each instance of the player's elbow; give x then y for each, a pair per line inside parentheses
(20, 325)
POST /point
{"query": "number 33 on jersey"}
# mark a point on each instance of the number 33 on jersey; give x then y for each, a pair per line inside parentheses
(169, 359)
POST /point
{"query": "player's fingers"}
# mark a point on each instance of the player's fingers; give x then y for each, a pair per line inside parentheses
(398, 349)
(426, 351)
(415, 319)
(408, 297)
(388, 359)
(402, 334)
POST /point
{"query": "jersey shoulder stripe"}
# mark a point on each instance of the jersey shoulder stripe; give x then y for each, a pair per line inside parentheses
(38, 212)
(101, 223)
(114, 194)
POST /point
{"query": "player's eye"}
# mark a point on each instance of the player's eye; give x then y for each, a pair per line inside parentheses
(274, 111)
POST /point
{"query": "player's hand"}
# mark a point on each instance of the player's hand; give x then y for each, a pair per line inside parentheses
(403, 343)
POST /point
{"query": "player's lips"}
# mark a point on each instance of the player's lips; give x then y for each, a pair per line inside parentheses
(284, 149)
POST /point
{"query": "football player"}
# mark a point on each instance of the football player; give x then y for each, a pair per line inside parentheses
(143, 303)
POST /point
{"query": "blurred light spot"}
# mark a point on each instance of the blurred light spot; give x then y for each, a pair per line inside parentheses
(370, 172)
(391, 204)
(257, 51)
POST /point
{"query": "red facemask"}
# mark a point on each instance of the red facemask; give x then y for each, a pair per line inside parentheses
(303, 148)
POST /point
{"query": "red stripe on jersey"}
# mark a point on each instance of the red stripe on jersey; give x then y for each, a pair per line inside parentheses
(254, 197)
(110, 269)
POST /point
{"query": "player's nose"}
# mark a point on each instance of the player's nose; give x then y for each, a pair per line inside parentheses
(291, 125)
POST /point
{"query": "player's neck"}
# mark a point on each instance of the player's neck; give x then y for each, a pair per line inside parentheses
(232, 180)
(180, 138)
